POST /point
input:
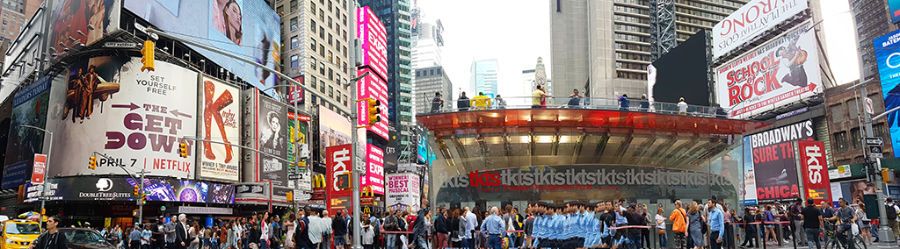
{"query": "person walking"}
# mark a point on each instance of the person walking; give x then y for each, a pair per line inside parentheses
(695, 225)
(441, 228)
(289, 226)
(50, 238)
(146, 236)
(169, 231)
(750, 231)
(419, 229)
(813, 224)
(679, 225)
(134, 238)
(716, 226)
(391, 224)
(661, 227)
(316, 229)
(327, 231)
(368, 235)
(863, 223)
(275, 231)
(493, 226)
(463, 102)
(339, 230)
(891, 211)
(437, 102)
(682, 106)
(301, 232)
(471, 222)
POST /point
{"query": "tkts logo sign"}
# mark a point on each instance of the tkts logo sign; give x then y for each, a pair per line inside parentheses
(338, 163)
(816, 184)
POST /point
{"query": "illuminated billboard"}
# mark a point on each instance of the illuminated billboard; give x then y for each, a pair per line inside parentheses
(372, 35)
(374, 169)
(894, 6)
(372, 86)
(750, 21)
(887, 54)
(249, 28)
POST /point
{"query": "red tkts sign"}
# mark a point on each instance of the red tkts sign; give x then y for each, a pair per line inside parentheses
(816, 185)
(338, 165)
(40, 167)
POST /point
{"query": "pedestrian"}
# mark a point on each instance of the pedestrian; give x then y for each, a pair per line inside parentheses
(339, 229)
(275, 232)
(501, 103)
(695, 225)
(169, 232)
(159, 234)
(750, 231)
(437, 102)
(770, 228)
(682, 106)
(327, 231)
(471, 222)
(50, 238)
(812, 224)
(236, 231)
(623, 102)
(195, 235)
(645, 103)
(146, 237)
(301, 232)
(481, 101)
(529, 226)
(538, 98)
(679, 225)
(493, 226)
(134, 238)
(441, 228)
(182, 235)
(892, 210)
(391, 225)
(862, 220)
(463, 102)
(419, 226)
(716, 226)
(289, 226)
(367, 235)
(661, 227)
(316, 228)
(574, 99)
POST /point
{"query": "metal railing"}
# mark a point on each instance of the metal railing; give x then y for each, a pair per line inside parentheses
(518, 103)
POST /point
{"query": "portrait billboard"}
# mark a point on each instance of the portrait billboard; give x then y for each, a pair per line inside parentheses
(781, 71)
(887, 54)
(372, 86)
(371, 33)
(816, 185)
(402, 191)
(754, 18)
(133, 119)
(221, 113)
(29, 108)
(334, 129)
(82, 22)
(271, 138)
(774, 162)
(249, 28)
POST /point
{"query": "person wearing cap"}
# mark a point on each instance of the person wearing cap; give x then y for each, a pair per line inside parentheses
(682, 106)
(480, 102)
(891, 212)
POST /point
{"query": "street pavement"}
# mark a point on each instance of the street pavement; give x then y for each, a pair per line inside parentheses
(878, 245)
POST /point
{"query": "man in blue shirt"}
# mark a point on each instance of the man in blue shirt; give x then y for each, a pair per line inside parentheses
(494, 227)
(716, 226)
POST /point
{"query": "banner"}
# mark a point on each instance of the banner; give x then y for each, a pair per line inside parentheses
(754, 18)
(29, 108)
(887, 54)
(271, 138)
(402, 191)
(82, 22)
(774, 163)
(221, 113)
(373, 36)
(781, 71)
(816, 185)
(374, 169)
(134, 119)
(40, 166)
(91, 188)
(338, 171)
(298, 151)
(749, 181)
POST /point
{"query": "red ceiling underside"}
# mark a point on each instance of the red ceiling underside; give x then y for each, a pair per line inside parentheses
(585, 118)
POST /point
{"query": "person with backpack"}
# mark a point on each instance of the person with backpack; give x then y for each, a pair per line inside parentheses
(301, 232)
(891, 212)
(679, 225)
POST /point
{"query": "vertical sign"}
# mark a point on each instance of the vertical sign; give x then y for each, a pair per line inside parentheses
(337, 163)
(40, 164)
(271, 125)
(374, 177)
(372, 86)
(774, 165)
(221, 123)
(749, 176)
(816, 185)
(887, 54)
(297, 94)
(373, 37)
(402, 191)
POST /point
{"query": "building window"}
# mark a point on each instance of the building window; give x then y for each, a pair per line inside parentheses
(294, 25)
(312, 25)
(837, 113)
(312, 82)
(330, 25)
(293, 6)
(322, 33)
(295, 42)
(329, 39)
(330, 92)
(330, 74)
(840, 142)
(312, 62)
(280, 10)
(321, 50)
(330, 57)
(855, 140)
(295, 61)
(312, 44)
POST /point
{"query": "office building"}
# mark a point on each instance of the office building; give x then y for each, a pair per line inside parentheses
(316, 36)
(484, 77)
(396, 16)
(873, 19)
(605, 46)
(428, 81)
(428, 44)
(15, 14)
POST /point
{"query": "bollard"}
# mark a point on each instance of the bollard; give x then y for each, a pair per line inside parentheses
(757, 235)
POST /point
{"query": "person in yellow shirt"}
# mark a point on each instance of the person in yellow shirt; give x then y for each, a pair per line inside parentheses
(537, 97)
(481, 102)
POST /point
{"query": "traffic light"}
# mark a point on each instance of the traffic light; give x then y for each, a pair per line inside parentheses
(137, 190)
(148, 56)
(92, 164)
(886, 176)
(143, 199)
(183, 150)
(374, 111)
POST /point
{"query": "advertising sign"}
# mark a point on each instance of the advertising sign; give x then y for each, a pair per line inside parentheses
(249, 28)
(338, 170)
(816, 184)
(894, 6)
(297, 94)
(422, 148)
(372, 86)
(749, 181)
(90, 188)
(271, 138)
(781, 71)
(82, 22)
(374, 177)
(334, 129)
(370, 31)
(136, 119)
(402, 190)
(40, 164)
(774, 163)
(298, 151)
(887, 54)
(221, 123)
(29, 108)
(751, 20)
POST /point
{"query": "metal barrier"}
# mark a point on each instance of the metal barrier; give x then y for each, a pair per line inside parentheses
(635, 105)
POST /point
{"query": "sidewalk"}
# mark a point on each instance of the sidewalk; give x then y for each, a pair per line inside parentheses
(878, 245)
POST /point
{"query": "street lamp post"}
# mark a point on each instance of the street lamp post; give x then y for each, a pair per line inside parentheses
(46, 169)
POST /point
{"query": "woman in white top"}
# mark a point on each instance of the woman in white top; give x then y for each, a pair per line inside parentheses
(289, 231)
(194, 234)
(661, 227)
(264, 231)
(368, 235)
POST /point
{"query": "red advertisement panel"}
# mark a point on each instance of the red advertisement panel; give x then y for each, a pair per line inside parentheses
(375, 87)
(338, 164)
(40, 164)
(373, 37)
(816, 185)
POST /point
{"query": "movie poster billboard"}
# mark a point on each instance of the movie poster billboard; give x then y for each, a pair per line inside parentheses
(271, 130)
(131, 119)
(249, 28)
(754, 18)
(781, 71)
(887, 54)
(221, 113)
(29, 108)
(334, 129)
(816, 185)
(82, 22)
(774, 161)
(402, 191)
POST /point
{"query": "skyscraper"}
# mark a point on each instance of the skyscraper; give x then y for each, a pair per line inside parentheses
(428, 44)
(873, 19)
(395, 15)
(604, 47)
(484, 77)
(428, 81)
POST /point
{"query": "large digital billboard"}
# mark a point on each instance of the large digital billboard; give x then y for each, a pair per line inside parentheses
(92, 188)
(774, 162)
(372, 86)
(82, 22)
(887, 54)
(334, 129)
(29, 108)
(338, 167)
(374, 169)
(372, 35)
(751, 20)
(781, 71)
(133, 119)
(682, 72)
(249, 28)
(221, 113)
(894, 6)
(298, 151)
